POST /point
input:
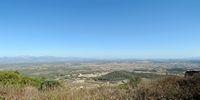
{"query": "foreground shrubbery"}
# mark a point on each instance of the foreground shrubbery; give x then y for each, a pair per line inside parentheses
(64, 93)
(16, 79)
(46, 85)
(168, 88)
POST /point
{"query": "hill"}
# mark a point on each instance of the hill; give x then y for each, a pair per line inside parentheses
(122, 75)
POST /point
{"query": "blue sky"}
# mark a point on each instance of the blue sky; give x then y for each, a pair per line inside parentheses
(100, 28)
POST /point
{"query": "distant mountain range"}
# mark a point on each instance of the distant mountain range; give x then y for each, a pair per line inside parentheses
(40, 59)
(53, 59)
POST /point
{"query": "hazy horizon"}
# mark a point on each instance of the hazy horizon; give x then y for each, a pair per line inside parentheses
(100, 58)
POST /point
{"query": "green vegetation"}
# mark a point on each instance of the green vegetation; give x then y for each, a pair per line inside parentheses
(45, 85)
(171, 88)
(122, 75)
(134, 82)
(13, 85)
(16, 79)
(2, 98)
(116, 76)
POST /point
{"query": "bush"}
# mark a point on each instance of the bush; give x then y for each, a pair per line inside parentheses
(134, 82)
(7, 78)
(46, 85)
(30, 81)
(171, 88)
(15, 78)
(2, 98)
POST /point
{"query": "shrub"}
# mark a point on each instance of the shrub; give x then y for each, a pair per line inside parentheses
(46, 85)
(171, 88)
(7, 78)
(2, 98)
(30, 81)
(134, 82)
(15, 78)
